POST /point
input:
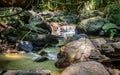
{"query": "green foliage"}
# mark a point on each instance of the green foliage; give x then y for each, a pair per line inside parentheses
(74, 6)
(111, 29)
(113, 13)
(116, 18)
(109, 26)
(53, 5)
(95, 3)
(113, 32)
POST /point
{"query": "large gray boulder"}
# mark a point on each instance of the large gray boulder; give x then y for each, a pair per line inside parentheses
(77, 51)
(86, 68)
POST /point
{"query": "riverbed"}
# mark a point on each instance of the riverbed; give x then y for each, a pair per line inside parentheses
(25, 62)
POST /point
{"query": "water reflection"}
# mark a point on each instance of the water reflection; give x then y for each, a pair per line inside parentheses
(14, 56)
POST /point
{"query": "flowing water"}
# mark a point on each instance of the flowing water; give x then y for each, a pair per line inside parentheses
(25, 62)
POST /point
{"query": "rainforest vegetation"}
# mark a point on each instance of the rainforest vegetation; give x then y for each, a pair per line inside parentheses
(43, 36)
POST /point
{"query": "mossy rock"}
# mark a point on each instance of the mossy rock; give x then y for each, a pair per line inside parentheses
(91, 25)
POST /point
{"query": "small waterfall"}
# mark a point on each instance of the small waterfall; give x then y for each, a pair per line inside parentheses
(64, 31)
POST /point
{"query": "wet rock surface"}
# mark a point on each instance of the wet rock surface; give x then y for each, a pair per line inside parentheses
(25, 46)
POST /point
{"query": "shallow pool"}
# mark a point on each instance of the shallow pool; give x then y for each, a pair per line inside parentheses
(25, 62)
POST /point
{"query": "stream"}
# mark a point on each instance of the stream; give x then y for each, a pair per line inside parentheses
(25, 61)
